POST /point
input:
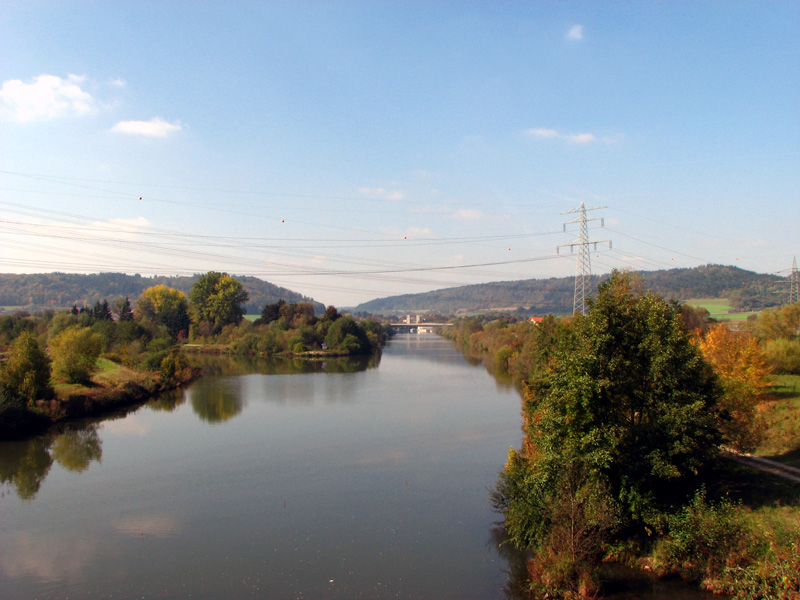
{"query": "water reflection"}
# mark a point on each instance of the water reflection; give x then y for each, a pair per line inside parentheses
(212, 364)
(516, 561)
(168, 401)
(24, 465)
(75, 449)
(218, 399)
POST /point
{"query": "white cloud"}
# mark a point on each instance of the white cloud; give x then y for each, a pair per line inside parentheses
(418, 232)
(155, 127)
(46, 97)
(122, 228)
(575, 33)
(581, 138)
(118, 82)
(468, 214)
(382, 193)
(543, 133)
(574, 138)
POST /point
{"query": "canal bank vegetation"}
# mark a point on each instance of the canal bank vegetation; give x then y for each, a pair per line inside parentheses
(89, 361)
(294, 329)
(625, 411)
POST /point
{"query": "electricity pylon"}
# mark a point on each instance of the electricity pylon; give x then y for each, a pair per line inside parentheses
(794, 285)
(584, 270)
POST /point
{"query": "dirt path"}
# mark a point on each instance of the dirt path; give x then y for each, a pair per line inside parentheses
(764, 464)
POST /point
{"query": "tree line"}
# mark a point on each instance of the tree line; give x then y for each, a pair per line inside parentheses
(555, 295)
(61, 290)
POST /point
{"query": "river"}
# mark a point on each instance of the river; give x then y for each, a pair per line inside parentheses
(273, 480)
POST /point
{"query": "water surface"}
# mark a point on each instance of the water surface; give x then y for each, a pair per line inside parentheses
(325, 484)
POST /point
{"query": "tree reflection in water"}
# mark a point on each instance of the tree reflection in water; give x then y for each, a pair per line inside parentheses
(24, 465)
(75, 449)
(168, 401)
(244, 365)
(217, 400)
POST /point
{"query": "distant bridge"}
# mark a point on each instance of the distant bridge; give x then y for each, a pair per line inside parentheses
(418, 327)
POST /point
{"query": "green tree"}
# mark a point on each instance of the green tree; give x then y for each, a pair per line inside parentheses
(124, 311)
(330, 314)
(26, 373)
(346, 335)
(101, 311)
(298, 314)
(217, 298)
(74, 352)
(627, 396)
(165, 306)
(271, 312)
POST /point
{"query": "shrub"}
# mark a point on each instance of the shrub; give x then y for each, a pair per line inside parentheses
(345, 334)
(27, 371)
(704, 541)
(74, 353)
(174, 368)
(783, 355)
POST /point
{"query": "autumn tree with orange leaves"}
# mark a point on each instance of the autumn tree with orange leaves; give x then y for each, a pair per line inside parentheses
(740, 365)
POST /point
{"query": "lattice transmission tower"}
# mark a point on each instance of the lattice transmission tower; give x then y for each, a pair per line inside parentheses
(794, 284)
(584, 270)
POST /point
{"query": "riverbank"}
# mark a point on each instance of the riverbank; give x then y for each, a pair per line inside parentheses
(111, 388)
(227, 349)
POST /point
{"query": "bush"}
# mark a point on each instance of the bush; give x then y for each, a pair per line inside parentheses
(345, 334)
(152, 360)
(174, 368)
(27, 371)
(503, 356)
(776, 576)
(704, 541)
(247, 344)
(784, 356)
(74, 353)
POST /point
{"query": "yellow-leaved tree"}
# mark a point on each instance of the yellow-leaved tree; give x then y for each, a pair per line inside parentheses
(740, 364)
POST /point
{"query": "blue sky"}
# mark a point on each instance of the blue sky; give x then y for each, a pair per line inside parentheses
(354, 150)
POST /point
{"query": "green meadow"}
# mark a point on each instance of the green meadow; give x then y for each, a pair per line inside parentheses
(720, 309)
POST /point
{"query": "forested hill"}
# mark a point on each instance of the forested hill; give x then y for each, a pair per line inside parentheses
(746, 289)
(65, 289)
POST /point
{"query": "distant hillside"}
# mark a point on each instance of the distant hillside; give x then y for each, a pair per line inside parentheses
(65, 289)
(746, 289)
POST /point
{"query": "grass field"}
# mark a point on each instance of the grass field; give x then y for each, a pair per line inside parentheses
(719, 309)
(782, 415)
(108, 375)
